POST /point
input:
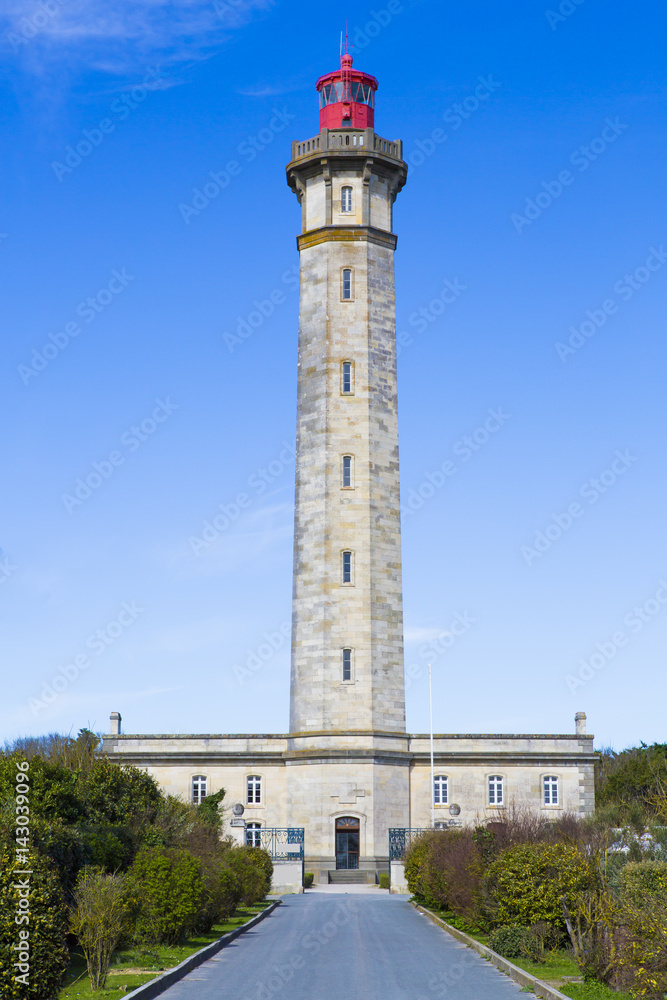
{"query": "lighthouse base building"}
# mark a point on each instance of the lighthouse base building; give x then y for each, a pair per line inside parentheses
(348, 778)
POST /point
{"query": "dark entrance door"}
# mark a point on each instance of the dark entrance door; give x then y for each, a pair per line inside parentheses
(347, 842)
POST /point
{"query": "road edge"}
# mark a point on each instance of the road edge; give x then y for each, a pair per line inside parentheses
(539, 988)
(162, 982)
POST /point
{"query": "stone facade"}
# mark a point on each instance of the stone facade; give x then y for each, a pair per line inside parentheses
(347, 753)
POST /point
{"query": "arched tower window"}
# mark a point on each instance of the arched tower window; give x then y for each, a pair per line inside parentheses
(347, 664)
(347, 285)
(347, 378)
(346, 477)
(346, 199)
(347, 566)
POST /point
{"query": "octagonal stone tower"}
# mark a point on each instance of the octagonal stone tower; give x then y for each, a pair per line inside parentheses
(347, 629)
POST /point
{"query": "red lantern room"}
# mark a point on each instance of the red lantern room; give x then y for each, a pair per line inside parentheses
(347, 97)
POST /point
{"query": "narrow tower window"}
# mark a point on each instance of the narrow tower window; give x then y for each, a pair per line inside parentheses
(346, 198)
(347, 471)
(551, 790)
(198, 788)
(495, 790)
(347, 567)
(346, 292)
(254, 789)
(347, 664)
(347, 383)
(440, 790)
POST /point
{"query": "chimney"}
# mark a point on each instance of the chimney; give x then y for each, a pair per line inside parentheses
(580, 723)
(114, 728)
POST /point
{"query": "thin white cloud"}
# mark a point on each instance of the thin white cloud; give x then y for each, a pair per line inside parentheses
(272, 89)
(416, 634)
(117, 38)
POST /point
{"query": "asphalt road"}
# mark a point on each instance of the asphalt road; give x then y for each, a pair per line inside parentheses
(345, 947)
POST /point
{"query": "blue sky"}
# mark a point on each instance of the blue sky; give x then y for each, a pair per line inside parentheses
(532, 404)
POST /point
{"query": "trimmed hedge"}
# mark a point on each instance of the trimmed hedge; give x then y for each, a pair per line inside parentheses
(166, 894)
(527, 883)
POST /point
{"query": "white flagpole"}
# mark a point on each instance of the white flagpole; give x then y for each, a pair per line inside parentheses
(430, 699)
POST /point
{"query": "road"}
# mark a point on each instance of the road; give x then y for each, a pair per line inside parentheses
(369, 946)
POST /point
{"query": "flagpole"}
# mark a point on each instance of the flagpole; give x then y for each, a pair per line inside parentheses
(430, 699)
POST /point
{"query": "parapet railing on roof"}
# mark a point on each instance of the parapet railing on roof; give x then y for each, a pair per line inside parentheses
(351, 140)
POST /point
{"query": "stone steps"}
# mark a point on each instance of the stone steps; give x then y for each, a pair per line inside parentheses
(351, 877)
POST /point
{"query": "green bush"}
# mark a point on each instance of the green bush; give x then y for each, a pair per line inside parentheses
(384, 881)
(44, 934)
(166, 894)
(527, 884)
(247, 864)
(415, 862)
(308, 879)
(222, 892)
(644, 882)
(509, 941)
(98, 919)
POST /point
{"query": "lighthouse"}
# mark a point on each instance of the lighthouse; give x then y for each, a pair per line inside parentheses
(347, 635)
(346, 788)
(347, 683)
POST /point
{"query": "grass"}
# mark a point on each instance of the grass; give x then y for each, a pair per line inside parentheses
(557, 966)
(134, 966)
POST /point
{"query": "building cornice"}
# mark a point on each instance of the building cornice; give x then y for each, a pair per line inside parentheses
(346, 234)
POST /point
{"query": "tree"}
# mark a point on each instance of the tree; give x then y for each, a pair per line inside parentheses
(98, 919)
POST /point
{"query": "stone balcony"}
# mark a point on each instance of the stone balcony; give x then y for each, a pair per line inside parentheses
(347, 140)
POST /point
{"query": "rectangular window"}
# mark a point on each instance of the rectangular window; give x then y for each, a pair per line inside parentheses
(254, 789)
(551, 791)
(347, 283)
(347, 664)
(253, 836)
(495, 790)
(347, 567)
(198, 788)
(346, 199)
(346, 377)
(440, 791)
(347, 471)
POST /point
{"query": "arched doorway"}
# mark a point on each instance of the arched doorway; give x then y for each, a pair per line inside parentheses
(347, 842)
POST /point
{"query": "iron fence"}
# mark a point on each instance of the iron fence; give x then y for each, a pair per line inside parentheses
(283, 844)
(400, 839)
